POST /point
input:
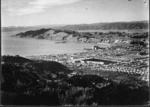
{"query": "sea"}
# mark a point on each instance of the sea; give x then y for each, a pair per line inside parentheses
(28, 46)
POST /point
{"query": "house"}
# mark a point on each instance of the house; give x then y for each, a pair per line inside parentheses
(97, 47)
(72, 74)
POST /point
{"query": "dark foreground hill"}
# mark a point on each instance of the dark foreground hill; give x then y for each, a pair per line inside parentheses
(47, 83)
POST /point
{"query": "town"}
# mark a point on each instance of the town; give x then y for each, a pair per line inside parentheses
(119, 56)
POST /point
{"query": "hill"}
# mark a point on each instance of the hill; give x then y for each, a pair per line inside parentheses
(37, 82)
(26, 28)
(73, 36)
(109, 26)
(25, 70)
(50, 34)
(94, 26)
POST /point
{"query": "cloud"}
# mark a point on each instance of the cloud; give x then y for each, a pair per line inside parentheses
(37, 6)
(26, 10)
(3, 4)
(52, 2)
(76, 9)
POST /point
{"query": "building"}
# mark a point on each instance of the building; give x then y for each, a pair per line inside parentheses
(94, 62)
(97, 47)
(78, 60)
(98, 61)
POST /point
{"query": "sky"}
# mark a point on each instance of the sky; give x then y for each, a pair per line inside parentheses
(53, 12)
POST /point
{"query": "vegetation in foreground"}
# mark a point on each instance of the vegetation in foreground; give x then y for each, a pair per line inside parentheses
(28, 82)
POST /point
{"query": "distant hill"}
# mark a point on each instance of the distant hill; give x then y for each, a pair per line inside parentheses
(94, 26)
(109, 26)
(67, 35)
(26, 28)
(50, 34)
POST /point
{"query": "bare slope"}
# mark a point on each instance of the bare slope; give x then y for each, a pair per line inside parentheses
(50, 34)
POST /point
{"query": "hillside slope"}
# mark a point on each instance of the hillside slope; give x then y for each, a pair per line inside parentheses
(50, 34)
